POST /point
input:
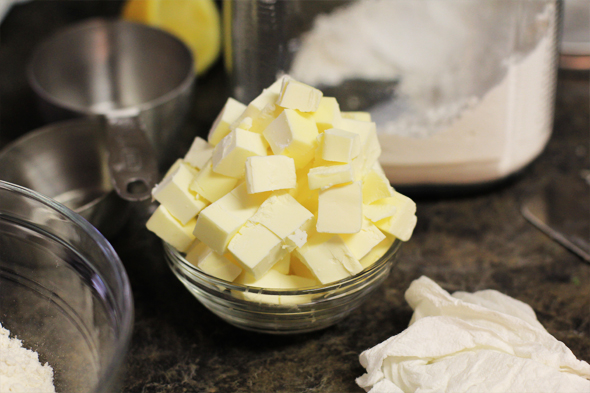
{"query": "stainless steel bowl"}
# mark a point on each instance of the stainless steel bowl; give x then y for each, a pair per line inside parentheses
(66, 161)
(139, 78)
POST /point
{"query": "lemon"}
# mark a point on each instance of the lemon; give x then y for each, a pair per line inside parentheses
(195, 22)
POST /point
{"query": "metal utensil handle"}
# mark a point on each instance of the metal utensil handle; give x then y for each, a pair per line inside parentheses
(132, 160)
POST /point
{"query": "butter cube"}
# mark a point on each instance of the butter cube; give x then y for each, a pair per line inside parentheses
(367, 132)
(199, 153)
(297, 95)
(402, 223)
(362, 116)
(377, 252)
(298, 268)
(169, 229)
(282, 215)
(340, 209)
(362, 242)
(270, 173)
(221, 220)
(231, 111)
(265, 117)
(215, 227)
(277, 281)
(256, 248)
(328, 258)
(229, 156)
(380, 209)
(328, 176)
(327, 115)
(339, 145)
(283, 265)
(173, 192)
(241, 204)
(211, 185)
(372, 149)
(362, 128)
(375, 187)
(308, 198)
(292, 135)
(174, 167)
(297, 239)
(212, 263)
(256, 106)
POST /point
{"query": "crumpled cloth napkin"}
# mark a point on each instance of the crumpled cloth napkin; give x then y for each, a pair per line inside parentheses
(471, 342)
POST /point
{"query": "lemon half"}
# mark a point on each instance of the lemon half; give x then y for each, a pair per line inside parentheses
(195, 22)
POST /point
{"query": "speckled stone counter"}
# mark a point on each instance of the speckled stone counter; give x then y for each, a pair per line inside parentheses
(468, 242)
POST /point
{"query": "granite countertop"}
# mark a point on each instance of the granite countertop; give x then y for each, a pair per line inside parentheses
(469, 241)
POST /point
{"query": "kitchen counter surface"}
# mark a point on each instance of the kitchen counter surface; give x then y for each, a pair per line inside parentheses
(470, 241)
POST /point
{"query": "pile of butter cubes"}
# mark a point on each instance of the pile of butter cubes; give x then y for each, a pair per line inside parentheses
(286, 193)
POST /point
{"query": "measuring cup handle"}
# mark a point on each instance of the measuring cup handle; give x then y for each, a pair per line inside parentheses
(132, 160)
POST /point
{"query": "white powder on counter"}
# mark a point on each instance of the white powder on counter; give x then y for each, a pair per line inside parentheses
(20, 369)
(471, 342)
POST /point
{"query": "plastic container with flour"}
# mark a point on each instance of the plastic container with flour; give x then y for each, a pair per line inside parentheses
(462, 92)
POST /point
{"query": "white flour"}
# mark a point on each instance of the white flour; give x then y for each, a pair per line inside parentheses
(474, 99)
(20, 369)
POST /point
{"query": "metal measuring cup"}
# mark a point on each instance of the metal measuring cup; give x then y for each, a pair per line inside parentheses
(138, 79)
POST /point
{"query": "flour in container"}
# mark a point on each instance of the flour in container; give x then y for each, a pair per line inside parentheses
(20, 369)
(475, 81)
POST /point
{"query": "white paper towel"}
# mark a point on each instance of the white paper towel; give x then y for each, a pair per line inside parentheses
(480, 342)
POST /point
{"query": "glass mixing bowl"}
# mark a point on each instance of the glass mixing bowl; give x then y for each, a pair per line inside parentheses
(63, 291)
(299, 311)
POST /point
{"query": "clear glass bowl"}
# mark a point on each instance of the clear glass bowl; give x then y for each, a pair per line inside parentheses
(63, 291)
(301, 311)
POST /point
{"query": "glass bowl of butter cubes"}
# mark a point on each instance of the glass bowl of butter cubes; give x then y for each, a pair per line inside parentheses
(283, 220)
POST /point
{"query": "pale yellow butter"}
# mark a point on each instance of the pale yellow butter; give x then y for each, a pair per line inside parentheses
(215, 226)
(169, 229)
(283, 265)
(297, 239)
(362, 116)
(328, 258)
(375, 187)
(292, 135)
(367, 132)
(282, 215)
(340, 209)
(328, 176)
(402, 223)
(327, 115)
(256, 248)
(211, 185)
(378, 251)
(362, 242)
(265, 117)
(212, 263)
(231, 111)
(221, 220)
(229, 156)
(173, 193)
(242, 204)
(380, 209)
(297, 95)
(199, 153)
(340, 145)
(174, 167)
(257, 105)
(276, 280)
(308, 198)
(270, 173)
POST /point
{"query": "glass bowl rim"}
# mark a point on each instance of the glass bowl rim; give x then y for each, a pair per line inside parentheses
(177, 258)
(126, 319)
